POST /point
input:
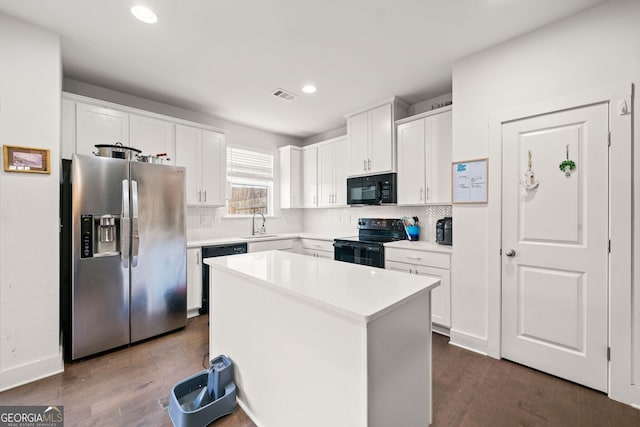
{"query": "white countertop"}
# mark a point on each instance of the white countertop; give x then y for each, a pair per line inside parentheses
(420, 245)
(241, 239)
(355, 291)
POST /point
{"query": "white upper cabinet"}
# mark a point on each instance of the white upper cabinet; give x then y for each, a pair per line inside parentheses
(203, 154)
(424, 159)
(214, 168)
(371, 138)
(152, 136)
(189, 156)
(291, 195)
(411, 162)
(99, 125)
(310, 176)
(332, 173)
(358, 131)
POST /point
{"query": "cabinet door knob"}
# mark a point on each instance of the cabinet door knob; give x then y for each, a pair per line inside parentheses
(510, 253)
(365, 165)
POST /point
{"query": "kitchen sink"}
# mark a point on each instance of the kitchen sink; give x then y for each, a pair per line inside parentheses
(260, 236)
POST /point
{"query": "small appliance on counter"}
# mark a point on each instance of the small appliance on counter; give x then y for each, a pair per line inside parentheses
(444, 231)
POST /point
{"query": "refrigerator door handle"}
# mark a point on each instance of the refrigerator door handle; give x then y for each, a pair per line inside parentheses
(135, 235)
(125, 225)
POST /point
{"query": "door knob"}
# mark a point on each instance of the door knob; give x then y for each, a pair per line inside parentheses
(510, 253)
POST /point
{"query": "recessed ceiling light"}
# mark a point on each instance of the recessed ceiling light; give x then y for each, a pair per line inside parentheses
(309, 89)
(144, 14)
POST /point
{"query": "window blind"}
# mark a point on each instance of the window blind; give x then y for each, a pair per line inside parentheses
(249, 164)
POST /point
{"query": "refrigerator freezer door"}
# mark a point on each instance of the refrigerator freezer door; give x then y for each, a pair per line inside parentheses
(100, 282)
(159, 278)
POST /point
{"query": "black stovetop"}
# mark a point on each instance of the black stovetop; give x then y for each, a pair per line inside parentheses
(378, 231)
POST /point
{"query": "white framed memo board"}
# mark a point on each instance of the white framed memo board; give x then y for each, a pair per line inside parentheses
(469, 181)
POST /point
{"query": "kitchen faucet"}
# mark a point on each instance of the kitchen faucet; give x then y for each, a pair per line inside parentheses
(253, 223)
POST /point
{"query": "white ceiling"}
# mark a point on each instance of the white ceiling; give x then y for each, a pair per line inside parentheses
(225, 57)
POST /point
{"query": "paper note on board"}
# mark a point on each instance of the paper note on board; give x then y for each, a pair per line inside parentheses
(469, 181)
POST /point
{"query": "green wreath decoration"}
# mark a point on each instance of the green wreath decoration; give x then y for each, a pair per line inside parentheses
(567, 164)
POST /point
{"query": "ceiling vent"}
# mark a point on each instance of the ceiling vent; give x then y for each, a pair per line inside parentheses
(283, 94)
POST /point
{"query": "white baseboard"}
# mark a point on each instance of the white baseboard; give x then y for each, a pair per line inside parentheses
(193, 313)
(30, 372)
(439, 329)
(469, 342)
(250, 414)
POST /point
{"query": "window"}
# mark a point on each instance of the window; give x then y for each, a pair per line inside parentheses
(250, 180)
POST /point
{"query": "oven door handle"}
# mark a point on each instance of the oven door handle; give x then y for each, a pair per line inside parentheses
(342, 245)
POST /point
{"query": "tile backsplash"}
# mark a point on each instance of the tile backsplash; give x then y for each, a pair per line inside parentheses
(210, 223)
(343, 221)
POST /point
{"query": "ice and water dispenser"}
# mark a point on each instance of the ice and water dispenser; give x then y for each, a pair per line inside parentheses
(100, 235)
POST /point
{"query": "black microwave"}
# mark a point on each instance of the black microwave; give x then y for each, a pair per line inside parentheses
(372, 189)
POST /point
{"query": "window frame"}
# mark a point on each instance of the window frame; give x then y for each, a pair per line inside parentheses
(270, 182)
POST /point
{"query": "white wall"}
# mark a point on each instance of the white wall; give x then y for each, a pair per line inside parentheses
(596, 48)
(210, 223)
(30, 84)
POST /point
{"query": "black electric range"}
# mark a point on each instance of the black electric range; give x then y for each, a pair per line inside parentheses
(368, 247)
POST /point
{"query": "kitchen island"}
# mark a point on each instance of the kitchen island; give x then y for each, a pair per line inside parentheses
(317, 342)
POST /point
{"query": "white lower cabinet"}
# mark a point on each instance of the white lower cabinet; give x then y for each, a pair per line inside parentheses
(435, 264)
(270, 245)
(194, 281)
(317, 248)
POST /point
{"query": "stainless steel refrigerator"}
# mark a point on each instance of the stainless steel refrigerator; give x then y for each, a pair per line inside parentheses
(123, 253)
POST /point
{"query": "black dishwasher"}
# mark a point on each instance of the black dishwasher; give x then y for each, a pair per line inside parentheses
(215, 251)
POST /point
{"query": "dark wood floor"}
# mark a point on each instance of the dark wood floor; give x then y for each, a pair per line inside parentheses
(130, 387)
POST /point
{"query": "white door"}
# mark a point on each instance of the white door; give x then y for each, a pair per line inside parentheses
(555, 244)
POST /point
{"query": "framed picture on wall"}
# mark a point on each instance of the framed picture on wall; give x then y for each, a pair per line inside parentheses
(469, 181)
(27, 160)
